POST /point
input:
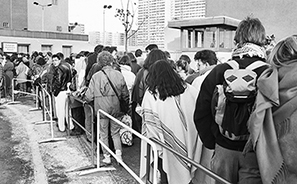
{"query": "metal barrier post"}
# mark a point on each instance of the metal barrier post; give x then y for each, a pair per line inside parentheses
(48, 112)
(37, 99)
(199, 166)
(70, 118)
(13, 92)
(99, 142)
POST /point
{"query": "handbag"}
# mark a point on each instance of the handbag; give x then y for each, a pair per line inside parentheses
(124, 106)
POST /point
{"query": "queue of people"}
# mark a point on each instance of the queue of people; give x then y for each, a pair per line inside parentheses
(235, 118)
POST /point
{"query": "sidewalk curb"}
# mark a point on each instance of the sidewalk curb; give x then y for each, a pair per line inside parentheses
(39, 169)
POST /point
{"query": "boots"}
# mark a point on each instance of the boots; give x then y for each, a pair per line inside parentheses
(119, 155)
(106, 160)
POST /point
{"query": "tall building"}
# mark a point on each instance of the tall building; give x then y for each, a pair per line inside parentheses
(187, 9)
(153, 16)
(34, 15)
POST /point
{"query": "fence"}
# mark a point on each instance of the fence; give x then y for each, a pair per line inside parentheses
(48, 114)
(75, 102)
(199, 166)
(36, 95)
(99, 142)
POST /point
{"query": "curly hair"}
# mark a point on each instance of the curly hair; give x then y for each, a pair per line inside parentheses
(105, 58)
(164, 81)
(152, 57)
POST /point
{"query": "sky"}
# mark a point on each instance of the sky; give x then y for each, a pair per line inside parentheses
(90, 13)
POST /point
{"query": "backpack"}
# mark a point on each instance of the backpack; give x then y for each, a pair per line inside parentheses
(233, 101)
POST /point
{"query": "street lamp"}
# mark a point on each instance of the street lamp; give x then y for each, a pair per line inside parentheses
(42, 7)
(105, 7)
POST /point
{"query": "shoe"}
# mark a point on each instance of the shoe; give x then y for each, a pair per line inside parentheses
(106, 160)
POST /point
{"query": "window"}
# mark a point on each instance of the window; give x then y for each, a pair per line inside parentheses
(23, 48)
(59, 28)
(46, 48)
(5, 24)
(67, 50)
(55, 2)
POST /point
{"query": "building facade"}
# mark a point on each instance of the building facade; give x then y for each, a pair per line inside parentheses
(153, 17)
(187, 9)
(28, 25)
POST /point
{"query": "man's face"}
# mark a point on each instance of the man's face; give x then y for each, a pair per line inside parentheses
(56, 61)
(201, 65)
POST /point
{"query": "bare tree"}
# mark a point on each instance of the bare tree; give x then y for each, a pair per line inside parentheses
(126, 16)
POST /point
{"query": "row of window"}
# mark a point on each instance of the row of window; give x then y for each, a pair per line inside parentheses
(24, 48)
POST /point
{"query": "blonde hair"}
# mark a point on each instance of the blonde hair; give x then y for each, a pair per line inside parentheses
(284, 53)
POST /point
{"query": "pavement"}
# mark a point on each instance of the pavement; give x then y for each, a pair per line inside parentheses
(59, 160)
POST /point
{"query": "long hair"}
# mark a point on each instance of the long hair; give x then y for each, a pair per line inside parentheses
(284, 52)
(164, 81)
(152, 57)
(250, 30)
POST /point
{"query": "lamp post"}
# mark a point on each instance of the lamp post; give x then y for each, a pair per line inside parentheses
(105, 7)
(42, 8)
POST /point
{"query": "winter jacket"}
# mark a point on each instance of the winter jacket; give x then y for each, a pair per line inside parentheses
(103, 94)
(62, 76)
(9, 69)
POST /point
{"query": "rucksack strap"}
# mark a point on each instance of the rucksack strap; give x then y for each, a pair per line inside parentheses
(253, 66)
(256, 64)
(233, 64)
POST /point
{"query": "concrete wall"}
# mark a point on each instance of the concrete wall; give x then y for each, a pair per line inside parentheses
(277, 16)
(55, 15)
(16, 16)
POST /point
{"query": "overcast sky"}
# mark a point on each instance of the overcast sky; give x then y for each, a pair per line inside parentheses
(90, 13)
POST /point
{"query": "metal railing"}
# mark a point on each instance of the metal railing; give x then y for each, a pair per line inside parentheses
(48, 115)
(70, 118)
(124, 165)
(36, 95)
(199, 166)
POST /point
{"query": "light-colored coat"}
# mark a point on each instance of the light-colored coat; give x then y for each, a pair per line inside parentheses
(102, 93)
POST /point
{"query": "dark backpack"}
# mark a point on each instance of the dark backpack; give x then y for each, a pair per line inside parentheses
(233, 101)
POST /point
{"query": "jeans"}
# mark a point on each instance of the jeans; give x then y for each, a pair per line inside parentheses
(114, 131)
(236, 167)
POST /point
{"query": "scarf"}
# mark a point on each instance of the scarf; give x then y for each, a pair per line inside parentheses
(287, 76)
(263, 137)
(249, 49)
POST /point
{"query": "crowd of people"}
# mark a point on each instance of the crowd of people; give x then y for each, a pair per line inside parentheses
(235, 118)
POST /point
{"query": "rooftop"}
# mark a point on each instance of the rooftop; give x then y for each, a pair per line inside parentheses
(221, 21)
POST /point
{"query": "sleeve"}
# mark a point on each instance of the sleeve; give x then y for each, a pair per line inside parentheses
(89, 95)
(203, 118)
(57, 83)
